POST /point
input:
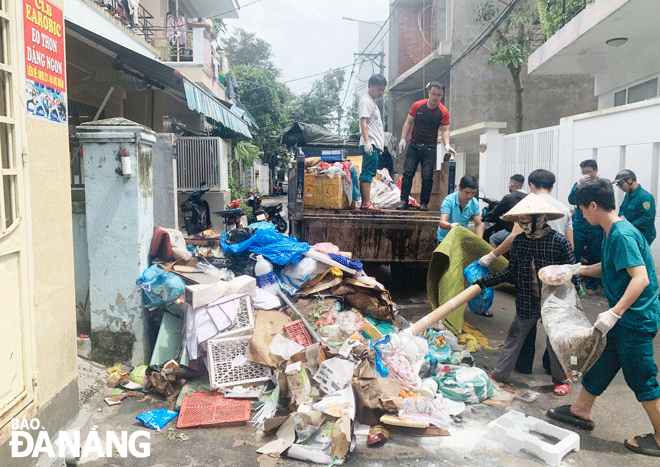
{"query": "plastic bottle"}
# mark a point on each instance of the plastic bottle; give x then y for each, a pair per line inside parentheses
(265, 277)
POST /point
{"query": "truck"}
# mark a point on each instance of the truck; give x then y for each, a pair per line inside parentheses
(405, 240)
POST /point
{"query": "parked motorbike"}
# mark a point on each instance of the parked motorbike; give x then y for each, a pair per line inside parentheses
(278, 189)
(196, 213)
(274, 214)
(491, 224)
(258, 212)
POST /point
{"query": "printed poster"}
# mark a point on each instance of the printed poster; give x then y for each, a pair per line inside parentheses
(45, 68)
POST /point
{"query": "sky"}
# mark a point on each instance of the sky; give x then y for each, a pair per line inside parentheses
(309, 36)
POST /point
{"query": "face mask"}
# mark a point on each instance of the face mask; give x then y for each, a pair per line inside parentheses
(537, 227)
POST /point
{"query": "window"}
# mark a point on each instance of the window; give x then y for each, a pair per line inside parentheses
(8, 170)
(619, 98)
(643, 91)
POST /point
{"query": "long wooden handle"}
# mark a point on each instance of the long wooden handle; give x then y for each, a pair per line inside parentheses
(444, 309)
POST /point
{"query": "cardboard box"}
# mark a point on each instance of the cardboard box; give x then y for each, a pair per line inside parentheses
(323, 192)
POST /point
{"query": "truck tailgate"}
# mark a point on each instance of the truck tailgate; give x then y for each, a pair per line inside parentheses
(385, 236)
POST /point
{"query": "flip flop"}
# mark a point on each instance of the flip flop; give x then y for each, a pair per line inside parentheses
(371, 207)
(560, 390)
(486, 314)
(647, 445)
(563, 414)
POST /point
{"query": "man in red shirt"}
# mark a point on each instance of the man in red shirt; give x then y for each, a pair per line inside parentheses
(426, 118)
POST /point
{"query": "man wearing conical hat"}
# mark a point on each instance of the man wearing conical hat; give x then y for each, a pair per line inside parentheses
(540, 246)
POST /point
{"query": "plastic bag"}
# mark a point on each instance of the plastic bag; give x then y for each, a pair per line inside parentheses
(482, 302)
(294, 275)
(274, 246)
(421, 409)
(160, 287)
(156, 419)
(559, 274)
(575, 341)
(466, 385)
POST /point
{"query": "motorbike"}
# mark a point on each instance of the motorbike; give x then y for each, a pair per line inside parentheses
(258, 212)
(278, 189)
(196, 213)
(491, 223)
(274, 215)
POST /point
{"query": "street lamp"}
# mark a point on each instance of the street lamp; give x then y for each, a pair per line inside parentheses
(360, 21)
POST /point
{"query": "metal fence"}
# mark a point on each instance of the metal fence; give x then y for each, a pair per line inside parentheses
(202, 159)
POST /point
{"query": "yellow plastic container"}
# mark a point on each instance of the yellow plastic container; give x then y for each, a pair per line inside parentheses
(323, 192)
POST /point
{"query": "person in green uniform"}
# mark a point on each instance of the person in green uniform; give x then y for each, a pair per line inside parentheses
(585, 235)
(638, 205)
(631, 323)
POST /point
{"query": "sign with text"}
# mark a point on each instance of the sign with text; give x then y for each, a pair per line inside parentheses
(45, 68)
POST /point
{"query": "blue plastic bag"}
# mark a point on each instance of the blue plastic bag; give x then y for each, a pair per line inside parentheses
(482, 302)
(272, 245)
(160, 287)
(156, 419)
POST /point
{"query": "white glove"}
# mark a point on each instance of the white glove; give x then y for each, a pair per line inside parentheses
(368, 148)
(606, 321)
(454, 224)
(584, 179)
(402, 145)
(449, 149)
(487, 259)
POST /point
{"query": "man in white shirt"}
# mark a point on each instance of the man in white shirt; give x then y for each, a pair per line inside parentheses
(372, 137)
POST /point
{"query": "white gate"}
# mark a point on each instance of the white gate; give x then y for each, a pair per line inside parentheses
(525, 152)
(202, 159)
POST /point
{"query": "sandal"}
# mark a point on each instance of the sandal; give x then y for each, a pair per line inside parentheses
(563, 414)
(486, 314)
(560, 390)
(645, 445)
(371, 207)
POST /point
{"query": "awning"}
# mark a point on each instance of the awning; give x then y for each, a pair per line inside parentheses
(164, 77)
(208, 105)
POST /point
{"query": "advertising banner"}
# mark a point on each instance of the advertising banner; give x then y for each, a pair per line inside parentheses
(45, 68)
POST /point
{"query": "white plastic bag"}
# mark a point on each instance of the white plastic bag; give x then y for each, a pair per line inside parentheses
(575, 341)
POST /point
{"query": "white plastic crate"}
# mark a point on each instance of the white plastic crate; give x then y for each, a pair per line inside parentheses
(228, 366)
(244, 322)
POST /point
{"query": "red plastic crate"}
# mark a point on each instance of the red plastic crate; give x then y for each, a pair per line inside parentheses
(212, 408)
(297, 333)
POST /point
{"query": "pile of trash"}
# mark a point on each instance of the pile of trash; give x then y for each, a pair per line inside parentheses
(301, 330)
(332, 185)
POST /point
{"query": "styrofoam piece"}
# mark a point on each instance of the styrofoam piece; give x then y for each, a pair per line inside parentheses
(513, 430)
(325, 259)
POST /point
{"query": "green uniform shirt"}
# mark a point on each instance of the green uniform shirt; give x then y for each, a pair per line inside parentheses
(638, 208)
(579, 221)
(625, 247)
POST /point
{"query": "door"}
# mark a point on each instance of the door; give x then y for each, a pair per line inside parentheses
(15, 332)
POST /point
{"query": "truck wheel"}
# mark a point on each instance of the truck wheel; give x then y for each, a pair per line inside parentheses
(408, 276)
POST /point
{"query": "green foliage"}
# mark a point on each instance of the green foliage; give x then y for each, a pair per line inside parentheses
(352, 119)
(511, 39)
(245, 48)
(322, 105)
(554, 15)
(246, 153)
(267, 101)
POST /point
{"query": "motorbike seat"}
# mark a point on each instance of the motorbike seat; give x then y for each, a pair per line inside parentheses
(230, 212)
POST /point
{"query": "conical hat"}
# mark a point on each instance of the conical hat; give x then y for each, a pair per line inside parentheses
(530, 205)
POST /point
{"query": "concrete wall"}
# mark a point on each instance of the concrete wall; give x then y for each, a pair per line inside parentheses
(165, 207)
(481, 93)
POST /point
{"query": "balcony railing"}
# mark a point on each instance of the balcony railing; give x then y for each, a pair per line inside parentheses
(554, 14)
(141, 23)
